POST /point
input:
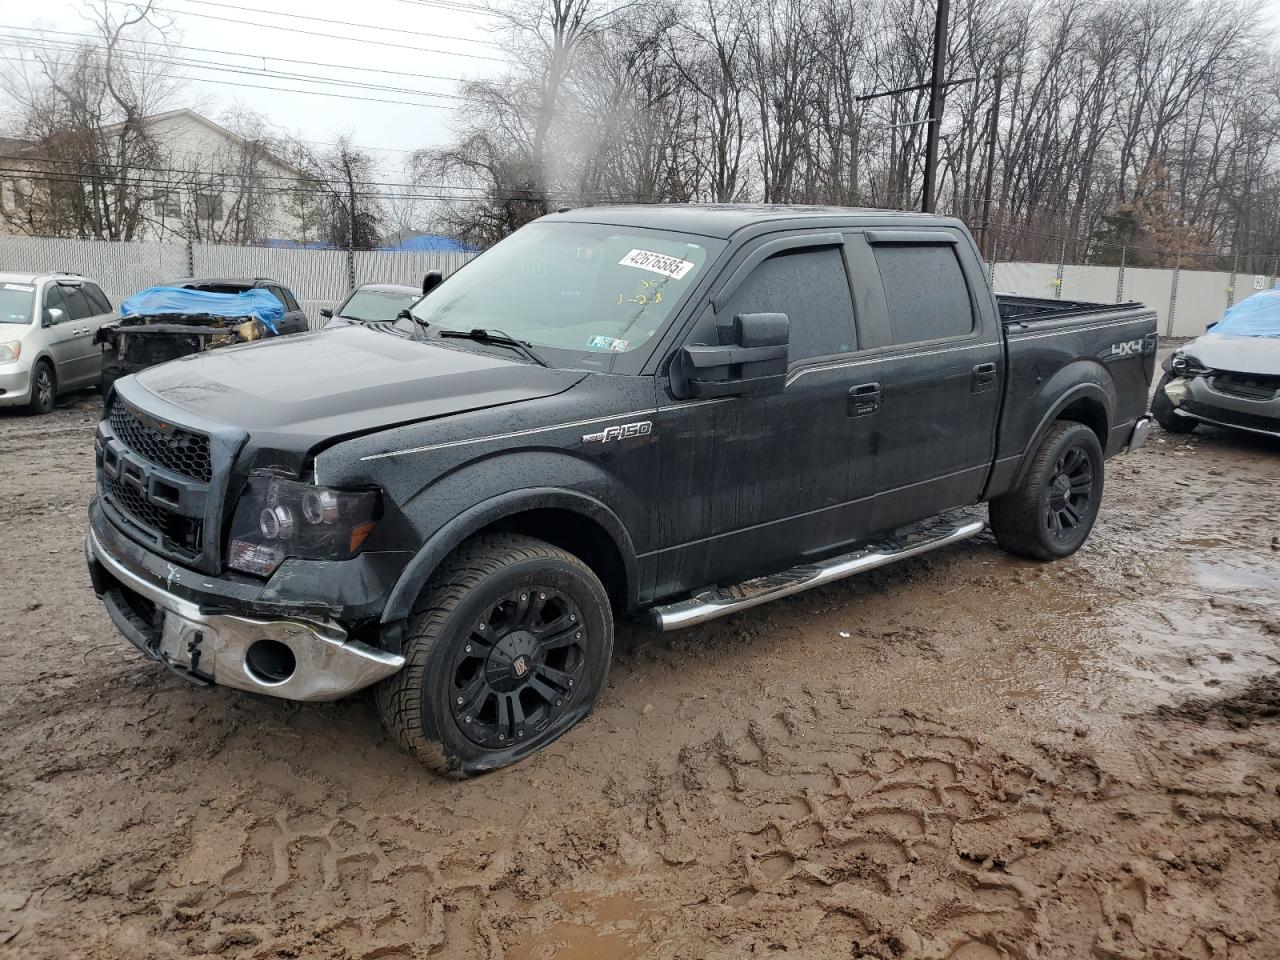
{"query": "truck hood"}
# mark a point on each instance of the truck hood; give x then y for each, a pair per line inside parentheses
(1256, 355)
(298, 391)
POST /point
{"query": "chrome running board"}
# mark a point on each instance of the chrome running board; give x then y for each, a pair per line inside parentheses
(906, 542)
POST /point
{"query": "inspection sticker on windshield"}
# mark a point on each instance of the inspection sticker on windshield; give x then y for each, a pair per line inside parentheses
(672, 267)
(20, 287)
(607, 343)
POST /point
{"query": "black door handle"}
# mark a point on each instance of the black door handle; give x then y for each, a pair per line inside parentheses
(864, 399)
(984, 377)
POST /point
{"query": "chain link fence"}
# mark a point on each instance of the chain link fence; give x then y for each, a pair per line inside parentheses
(318, 278)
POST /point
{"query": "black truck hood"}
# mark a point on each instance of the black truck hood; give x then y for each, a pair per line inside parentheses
(1255, 355)
(298, 391)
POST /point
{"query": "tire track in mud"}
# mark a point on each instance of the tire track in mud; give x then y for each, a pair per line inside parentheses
(952, 760)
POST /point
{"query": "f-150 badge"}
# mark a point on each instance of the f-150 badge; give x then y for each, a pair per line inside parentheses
(624, 431)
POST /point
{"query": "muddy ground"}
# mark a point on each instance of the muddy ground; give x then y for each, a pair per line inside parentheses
(969, 756)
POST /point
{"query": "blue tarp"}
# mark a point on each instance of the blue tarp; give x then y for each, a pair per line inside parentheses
(1256, 316)
(161, 300)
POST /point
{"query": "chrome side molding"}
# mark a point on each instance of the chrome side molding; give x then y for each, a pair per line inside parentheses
(719, 601)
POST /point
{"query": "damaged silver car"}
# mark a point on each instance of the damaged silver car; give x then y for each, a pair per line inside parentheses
(1230, 377)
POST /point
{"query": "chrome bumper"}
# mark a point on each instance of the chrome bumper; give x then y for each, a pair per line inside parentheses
(214, 647)
(1141, 430)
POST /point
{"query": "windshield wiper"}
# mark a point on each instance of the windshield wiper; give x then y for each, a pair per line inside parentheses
(493, 335)
(411, 316)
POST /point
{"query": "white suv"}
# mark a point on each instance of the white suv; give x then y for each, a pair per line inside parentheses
(47, 326)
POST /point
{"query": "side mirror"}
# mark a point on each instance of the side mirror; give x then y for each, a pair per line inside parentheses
(53, 315)
(430, 280)
(326, 313)
(754, 361)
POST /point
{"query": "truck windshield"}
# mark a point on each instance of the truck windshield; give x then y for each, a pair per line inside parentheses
(580, 287)
(16, 302)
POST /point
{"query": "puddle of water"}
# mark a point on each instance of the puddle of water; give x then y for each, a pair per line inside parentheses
(1229, 576)
(573, 941)
(602, 929)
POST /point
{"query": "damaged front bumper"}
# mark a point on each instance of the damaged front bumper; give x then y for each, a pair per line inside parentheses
(287, 658)
(1198, 398)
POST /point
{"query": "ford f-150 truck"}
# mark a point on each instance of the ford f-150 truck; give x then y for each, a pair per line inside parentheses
(668, 412)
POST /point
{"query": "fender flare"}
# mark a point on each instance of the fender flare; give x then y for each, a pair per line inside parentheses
(444, 541)
(1089, 391)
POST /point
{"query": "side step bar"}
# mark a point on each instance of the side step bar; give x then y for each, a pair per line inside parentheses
(718, 601)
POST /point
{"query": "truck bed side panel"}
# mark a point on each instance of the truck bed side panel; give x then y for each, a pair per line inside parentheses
(1102, 359)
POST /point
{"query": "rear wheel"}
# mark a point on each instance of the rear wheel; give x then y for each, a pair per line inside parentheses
(508, 648)
(1050, 515)
(43, 388)
(1163, 410)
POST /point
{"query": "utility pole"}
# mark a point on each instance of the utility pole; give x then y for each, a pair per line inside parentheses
(993, 134)
(935, 106)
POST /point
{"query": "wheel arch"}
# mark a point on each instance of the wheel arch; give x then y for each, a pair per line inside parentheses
(567, 519)
(1086, 403)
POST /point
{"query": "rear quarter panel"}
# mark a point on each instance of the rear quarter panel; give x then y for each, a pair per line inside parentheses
(1107, 358)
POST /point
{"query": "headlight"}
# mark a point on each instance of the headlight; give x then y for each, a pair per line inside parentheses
(10, 352)
(1180, 365)
(277, 518)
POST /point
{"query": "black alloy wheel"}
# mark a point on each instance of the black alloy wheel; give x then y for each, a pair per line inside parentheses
(517, 670)
(1070, 492)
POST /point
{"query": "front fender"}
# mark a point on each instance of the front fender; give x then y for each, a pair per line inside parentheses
(447, 538)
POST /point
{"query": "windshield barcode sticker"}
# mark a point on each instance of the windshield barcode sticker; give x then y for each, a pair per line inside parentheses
(672, 267)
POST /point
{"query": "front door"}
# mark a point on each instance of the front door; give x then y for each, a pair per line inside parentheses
(753, 484)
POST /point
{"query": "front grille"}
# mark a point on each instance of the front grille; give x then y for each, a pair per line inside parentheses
(184, 535)
(1233, 417)
(1246, 386)
(182, 451)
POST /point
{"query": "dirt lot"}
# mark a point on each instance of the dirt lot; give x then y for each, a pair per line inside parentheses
(969, 756)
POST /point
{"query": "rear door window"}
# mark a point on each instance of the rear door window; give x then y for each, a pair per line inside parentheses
(279, 295)
(97, 299)
(289, 302)
(77, 303)
(924, 290)
(811, 287)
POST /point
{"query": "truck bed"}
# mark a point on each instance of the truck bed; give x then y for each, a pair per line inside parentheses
(1019, 309)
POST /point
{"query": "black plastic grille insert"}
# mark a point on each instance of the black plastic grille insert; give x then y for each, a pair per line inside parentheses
(176, 449)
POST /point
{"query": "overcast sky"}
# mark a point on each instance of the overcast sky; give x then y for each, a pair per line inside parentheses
(382, 52)
(374, 53)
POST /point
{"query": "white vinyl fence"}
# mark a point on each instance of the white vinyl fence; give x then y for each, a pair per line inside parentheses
(318, 278)
(1186, 301)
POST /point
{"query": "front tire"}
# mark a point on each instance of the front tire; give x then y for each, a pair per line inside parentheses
(1050, 515)
(44, 388)
(1163, 410)
(508, 648)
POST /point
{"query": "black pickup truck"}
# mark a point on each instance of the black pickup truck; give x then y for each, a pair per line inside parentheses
(670, 412)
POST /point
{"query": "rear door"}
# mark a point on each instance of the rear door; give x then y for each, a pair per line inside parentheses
(84, 363)
(295, 321)
(753, 484)
(934, 367)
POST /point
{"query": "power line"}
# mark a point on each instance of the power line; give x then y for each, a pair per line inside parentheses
(329, 36)
(339, 23)
(70, 45)
(266, 72)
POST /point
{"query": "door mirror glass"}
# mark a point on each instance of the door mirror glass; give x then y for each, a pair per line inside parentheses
(751, 358)
(430, 280)
(54, 315)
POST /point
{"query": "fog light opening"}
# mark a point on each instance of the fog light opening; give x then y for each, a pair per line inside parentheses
(270, 661)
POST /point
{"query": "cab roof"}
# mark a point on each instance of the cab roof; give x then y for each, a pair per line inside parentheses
(722, 220)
